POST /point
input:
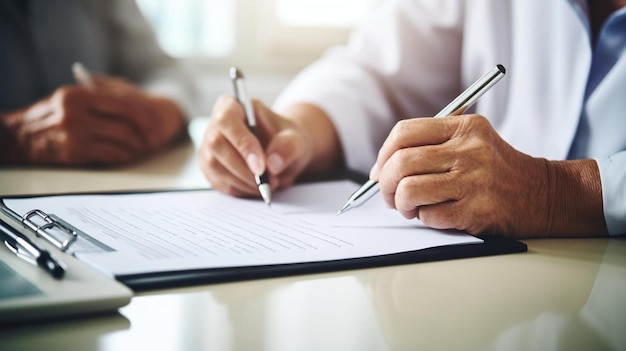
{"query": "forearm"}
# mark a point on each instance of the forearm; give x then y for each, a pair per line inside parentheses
(313, 122)
(574, 199)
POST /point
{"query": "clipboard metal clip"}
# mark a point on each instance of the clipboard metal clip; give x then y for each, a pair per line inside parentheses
(50, 228)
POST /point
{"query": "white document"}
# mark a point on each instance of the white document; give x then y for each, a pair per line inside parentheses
(173, 231)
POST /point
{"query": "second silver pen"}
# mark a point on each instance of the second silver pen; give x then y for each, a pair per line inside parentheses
(262, 180)
(456, 107)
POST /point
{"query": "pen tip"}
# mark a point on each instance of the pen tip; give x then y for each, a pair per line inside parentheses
(266, 193)
(343, 209)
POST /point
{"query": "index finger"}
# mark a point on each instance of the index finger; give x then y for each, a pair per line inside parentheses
(229, 117)
(414, 133)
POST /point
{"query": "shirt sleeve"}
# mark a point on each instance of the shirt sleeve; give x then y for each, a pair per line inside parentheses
(613, 177)
(391, 69)
(138, 56)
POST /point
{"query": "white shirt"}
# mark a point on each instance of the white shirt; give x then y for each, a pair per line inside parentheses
(413, 57)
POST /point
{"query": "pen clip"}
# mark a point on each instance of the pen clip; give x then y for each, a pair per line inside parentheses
(23, 254)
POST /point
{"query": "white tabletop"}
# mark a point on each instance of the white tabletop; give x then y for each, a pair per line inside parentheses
(564, 294)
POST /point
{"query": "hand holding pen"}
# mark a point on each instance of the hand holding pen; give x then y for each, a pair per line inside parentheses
(233, 156)
(456, 107)
(263, 179)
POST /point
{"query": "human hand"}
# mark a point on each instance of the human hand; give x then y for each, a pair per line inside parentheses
(231, 154)
(162, 120)
(110, 124)
(456, 172)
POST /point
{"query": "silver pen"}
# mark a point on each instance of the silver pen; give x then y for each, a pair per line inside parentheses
(28, 251)
(262, 180)
(456, 107)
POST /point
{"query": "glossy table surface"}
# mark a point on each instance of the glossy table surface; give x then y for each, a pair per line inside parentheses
(565, 294)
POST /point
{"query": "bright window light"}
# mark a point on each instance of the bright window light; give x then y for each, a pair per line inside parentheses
(193, 27)
(223, 29)
(321, 13)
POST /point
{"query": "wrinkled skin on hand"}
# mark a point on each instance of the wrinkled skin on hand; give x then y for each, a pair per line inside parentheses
(457, 172)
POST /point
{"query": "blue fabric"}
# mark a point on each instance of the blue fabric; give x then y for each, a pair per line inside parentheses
(609, 48)
(602, 127)
(604, 108)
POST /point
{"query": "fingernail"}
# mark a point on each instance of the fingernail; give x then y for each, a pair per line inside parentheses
(254, 163)
(374, 172)
(275, 163)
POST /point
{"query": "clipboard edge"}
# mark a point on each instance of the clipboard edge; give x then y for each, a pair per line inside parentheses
(492, 245)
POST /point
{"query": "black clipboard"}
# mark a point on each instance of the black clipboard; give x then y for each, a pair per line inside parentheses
(493, 245)
(41, 224)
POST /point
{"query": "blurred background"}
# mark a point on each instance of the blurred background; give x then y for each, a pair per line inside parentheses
(270, 40)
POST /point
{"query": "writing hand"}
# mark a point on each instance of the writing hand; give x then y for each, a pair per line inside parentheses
(230, 153)
(457, 172)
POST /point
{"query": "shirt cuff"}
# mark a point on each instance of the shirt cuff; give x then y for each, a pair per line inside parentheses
(613, 178)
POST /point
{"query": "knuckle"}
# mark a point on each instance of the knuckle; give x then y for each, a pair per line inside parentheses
(404, 186)
(399, 129)
(224, 110)
(405, 158)
(246, 143)
(224, 100)
(399, 166)
(478, 122)
(403, 193)
(479, 119)
(65, 94)
(217, 120)
(213, 142)
(212, 162)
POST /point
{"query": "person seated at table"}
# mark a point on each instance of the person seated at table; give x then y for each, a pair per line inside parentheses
(544, 154)
(134, 105)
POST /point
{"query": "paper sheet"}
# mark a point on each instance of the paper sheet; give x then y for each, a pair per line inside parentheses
(171, 231)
